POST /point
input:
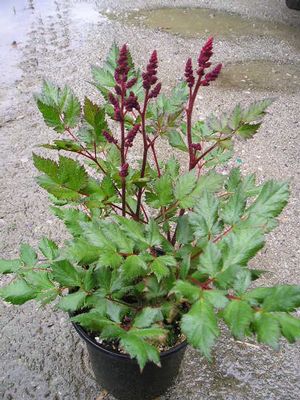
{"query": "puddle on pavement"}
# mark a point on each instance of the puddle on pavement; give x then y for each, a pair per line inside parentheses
(261, 75)
(43, 24)
(193, 22)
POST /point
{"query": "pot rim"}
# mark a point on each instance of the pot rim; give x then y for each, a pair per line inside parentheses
(86, 337)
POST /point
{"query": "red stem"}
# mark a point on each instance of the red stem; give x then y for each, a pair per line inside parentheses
(145, 152)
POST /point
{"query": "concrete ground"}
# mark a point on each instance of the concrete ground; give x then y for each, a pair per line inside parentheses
(41, 357)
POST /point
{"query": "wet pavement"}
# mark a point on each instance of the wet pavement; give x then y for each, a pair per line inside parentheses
(40, 355)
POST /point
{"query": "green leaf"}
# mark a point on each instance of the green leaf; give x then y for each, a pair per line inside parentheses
(210, 261)
(238, 248)
(216, 298)
(176, 140)
(27, 255)
(137, 348)
(60, 107)
(185, 185)
(153, 235)
(48, 248)
(200, 327)
(82, 252)
(256, 110)
(17, 292)
(95, 117)
(51, 115)
(70, 108)
(163, 193)
(64, 180)
(184, 234)
(242, 281)
(65, 274)
(160, 269)
(282, 298)
(290, 326)
(133, 267)
(72, 302)
(110, 258)
(234, 207)
(238, 315)
(267, 328)
(72, 219)
(204, 219)
(271, 200)
(247, 131)
(67, 145)
(147, 317)
(9, 266)
(93, 321)
(186, 291)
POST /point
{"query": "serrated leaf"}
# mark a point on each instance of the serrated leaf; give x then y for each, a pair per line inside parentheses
(17, 292)
(186, 291)
(238, 248)
(147, 317)
(271, 200)
(133, 267)
(242, 281)
(137, 348)
(184, 233)
(200, 327)
(176, 140)
(247, 131)
(110, 258)
(48, 248)
(256, 110)
(267, 329)
(9, 266)
(93, 321)
(234, 207)
(184, 186)
(65, 274)
(27, 255)
(238, 315)
(95, 117)
(289, 325)
(153, 235)
(63, 180)
(72, 219)
(204, 219)
(160, 269)
(216, 298)
(210, 261)
(282, 298)
(72, 302)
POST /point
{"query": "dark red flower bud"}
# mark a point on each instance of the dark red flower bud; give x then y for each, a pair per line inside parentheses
(118, 116)
(149, 77)
(155, 91)
(131, 83)
(197, 146)
(132, 102)
(189, 73)
(122, 69)
(204, 56)
(113, 100)
(109, 137)
(118, 90)
(124, 170)
(131, 135)
(211, 76)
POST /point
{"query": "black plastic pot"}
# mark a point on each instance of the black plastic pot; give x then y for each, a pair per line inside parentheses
(121, 376)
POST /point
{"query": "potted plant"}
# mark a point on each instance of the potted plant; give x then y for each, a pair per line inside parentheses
(158, 255)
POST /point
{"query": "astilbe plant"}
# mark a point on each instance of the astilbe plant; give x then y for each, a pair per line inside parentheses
(155, 255)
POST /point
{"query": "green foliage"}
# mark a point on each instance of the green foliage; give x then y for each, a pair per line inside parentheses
(200, 327)
(152, 249)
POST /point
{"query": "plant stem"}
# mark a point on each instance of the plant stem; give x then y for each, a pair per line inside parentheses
(123, 157)
(145, 152)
